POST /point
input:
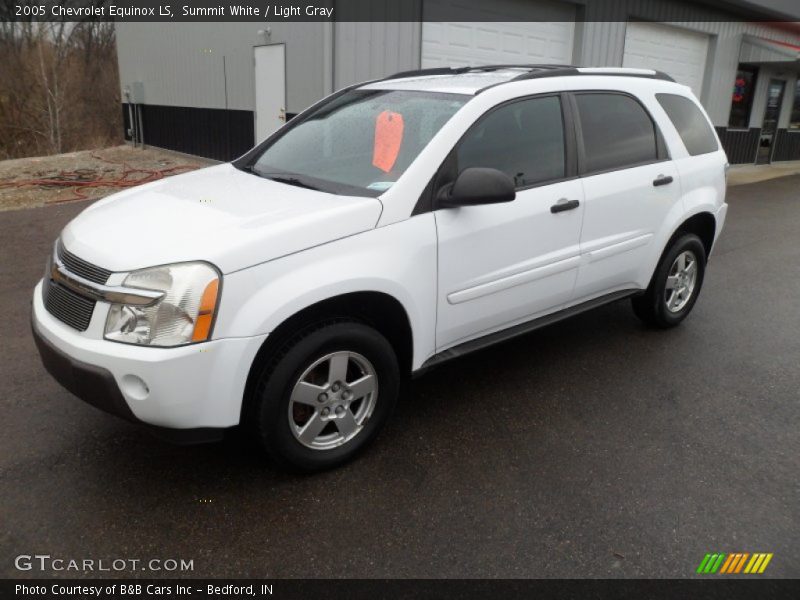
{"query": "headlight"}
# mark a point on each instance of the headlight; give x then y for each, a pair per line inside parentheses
(183, 316)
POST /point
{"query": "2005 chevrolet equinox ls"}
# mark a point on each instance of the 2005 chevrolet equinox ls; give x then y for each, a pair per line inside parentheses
(391, 226)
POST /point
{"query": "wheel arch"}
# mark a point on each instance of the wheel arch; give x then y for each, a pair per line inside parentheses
(380, 310)
(703, 224)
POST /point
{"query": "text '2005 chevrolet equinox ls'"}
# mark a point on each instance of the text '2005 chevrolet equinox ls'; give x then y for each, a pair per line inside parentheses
(391, 226)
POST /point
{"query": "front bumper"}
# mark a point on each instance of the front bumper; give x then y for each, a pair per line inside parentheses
(196, 388)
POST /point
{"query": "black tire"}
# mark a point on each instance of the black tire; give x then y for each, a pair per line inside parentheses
(651, 306)
(271, 404)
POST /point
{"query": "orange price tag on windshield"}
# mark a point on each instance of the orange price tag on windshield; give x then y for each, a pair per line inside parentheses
(388, 138)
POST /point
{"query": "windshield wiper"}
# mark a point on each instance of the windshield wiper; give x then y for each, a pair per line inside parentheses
(280, 177)
(292, 181)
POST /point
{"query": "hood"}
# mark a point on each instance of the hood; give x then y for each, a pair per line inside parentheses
(221, 215)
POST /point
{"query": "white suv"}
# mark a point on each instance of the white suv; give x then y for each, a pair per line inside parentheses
(391, 226)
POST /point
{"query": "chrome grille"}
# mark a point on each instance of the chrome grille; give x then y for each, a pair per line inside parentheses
(76, 265)
(67, 306)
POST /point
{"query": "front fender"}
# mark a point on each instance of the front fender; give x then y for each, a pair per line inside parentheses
(398, 260)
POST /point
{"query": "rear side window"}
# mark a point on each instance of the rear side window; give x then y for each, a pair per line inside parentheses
(692, 126)
(524, 139)
(617, 132)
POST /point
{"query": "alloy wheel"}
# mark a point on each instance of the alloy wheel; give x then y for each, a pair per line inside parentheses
(681, 281)
(333, 400)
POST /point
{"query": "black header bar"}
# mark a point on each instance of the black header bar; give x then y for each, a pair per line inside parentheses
(388, 10)
(406, 589)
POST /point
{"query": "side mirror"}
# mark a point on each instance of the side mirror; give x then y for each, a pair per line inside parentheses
(477, 185)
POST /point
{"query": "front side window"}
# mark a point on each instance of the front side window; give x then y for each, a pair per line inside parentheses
(524, 139)
(742, 99)
(692, 126)
(794, 123)
(360, 142)
(617, 132)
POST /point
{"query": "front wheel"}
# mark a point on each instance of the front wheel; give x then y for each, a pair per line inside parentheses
(675, 285)
(326, 395)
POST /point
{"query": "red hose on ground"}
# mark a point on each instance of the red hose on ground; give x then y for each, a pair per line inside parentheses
(76, 179)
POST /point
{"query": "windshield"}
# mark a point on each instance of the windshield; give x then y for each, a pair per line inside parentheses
(360, 142)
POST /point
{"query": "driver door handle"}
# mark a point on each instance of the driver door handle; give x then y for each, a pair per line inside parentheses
(563, 205)
(662, 180)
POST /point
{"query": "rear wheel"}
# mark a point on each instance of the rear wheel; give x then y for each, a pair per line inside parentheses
(326, 395)
(676, 284)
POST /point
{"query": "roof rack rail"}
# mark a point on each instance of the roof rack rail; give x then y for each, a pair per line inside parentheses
(461, 70)
(566, 71)
(533, 72)
(546, 73)
(530, 67)
(424, 72)
(612, 71)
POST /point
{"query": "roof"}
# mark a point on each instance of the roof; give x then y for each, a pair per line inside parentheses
(472, 80)
(454, 83)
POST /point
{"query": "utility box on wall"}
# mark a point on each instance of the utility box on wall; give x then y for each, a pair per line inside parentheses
(133, 96)
(136, 92)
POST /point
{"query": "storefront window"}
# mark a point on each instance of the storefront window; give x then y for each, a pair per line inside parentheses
(742, 99)
(795, 121)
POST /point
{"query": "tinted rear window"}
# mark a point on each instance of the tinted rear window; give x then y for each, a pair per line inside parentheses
(692, 126)
(617, 132)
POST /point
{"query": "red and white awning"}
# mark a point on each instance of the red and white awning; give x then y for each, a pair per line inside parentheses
(762, 50)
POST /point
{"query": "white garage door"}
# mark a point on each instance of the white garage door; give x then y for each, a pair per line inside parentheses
(458, 44)
(678, 52)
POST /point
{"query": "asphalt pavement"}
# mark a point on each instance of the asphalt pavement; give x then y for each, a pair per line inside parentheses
(591, 448)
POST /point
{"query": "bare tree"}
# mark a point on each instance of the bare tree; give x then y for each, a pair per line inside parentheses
(59, 87)
(53, 38)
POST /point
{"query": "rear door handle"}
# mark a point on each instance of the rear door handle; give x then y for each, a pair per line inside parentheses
(563, 205)
(662, 180)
